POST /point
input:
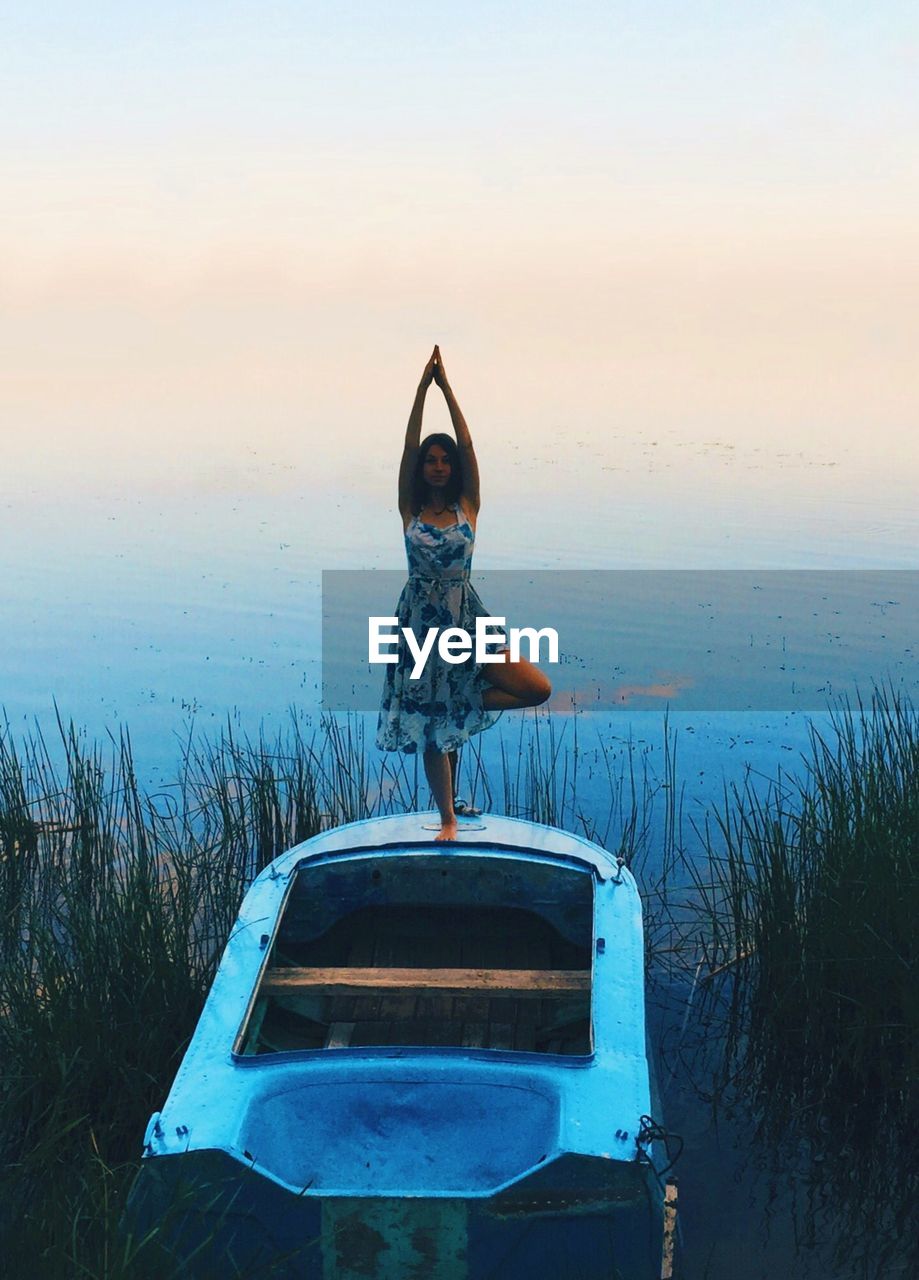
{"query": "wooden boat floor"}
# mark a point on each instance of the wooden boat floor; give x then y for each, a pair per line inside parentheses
(430, 938)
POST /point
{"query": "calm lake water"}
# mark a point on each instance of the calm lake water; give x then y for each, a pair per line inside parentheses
(150, 592)
(158, 594)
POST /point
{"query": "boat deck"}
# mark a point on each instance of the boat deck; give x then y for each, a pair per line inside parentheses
(349, 987)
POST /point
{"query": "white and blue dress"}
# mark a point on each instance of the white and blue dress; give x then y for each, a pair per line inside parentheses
(443, 707)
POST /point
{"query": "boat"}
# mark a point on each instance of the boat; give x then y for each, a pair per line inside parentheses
(418, 1059)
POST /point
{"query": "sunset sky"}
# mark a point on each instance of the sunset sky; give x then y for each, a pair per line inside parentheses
(233, 223)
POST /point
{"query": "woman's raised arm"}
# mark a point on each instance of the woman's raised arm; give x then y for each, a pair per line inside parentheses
(468, 464)
(409, 461)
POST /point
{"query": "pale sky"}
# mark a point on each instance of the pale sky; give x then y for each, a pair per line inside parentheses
(232, 222)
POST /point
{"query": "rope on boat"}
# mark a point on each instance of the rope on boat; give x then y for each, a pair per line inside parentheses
(650, 1131)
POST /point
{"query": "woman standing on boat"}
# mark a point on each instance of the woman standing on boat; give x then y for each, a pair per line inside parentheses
(439, 505)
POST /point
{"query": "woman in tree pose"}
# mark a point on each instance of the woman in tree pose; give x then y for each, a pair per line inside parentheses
(437, 712)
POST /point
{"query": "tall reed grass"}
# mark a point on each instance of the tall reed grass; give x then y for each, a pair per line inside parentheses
(115, 906)
(809, 906)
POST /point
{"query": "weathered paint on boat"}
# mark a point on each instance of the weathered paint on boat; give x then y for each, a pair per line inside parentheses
(400, 1161)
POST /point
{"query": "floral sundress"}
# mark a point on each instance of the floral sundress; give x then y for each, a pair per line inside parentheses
(443, 707)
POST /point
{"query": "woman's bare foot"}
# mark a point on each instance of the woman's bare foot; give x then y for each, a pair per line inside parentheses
(440, 778)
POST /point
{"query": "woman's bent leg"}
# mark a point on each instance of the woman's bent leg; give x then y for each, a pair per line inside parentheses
(440, 780)
(514, 685)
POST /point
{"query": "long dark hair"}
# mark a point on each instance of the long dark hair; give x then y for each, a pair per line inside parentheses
(454, 486)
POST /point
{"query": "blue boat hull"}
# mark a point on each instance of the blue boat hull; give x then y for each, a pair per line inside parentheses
(216, 1218)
